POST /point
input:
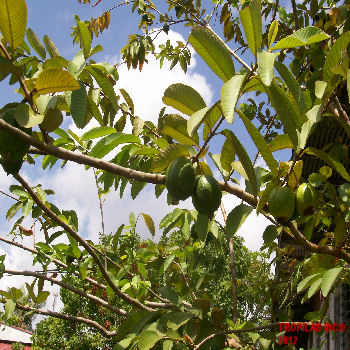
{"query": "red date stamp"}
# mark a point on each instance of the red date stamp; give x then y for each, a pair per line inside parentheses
(306, 327)
(287, 340)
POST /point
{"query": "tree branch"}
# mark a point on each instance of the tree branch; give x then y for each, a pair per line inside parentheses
(57, 262)
(144, 177)
(84, 243)
(68, 287)
(295, 15)
(69, 318)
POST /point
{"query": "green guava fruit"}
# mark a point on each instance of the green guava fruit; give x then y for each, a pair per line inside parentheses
(305, 197)
(12, 149)
(282, 203)
(180, 178)
(206, 197)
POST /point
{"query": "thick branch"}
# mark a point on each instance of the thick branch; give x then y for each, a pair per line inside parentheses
(81, 158)
(337, 252)
(69, 287)
(69, 318)
(85, 244)
(144, 177)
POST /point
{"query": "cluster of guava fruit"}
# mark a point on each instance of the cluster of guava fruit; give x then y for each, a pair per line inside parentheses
(182, 182)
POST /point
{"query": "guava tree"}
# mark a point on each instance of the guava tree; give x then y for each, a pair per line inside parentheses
(299, 73)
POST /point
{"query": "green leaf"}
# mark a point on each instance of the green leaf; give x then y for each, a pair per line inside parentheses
(168, 293)
(229, 96)
(270, 233)
(42, 296)
(166, 264)
(236, 218)
(195, 120)
(13, 21)
(78, 105)
(328, 280)
(260, 143)
(128, 100)
(149, 223)
(148, 339)
(307, 281)
(50, 47)
(244, 158)
(167, 155)
(282, 141)
(93, 109)
(13, 210)
(10, 306)
(98, 74)
(273, 30)
(293, 86)
(183, 98)
(333, 56)
(266, 61)
(284, 110)
(85, 37)
(25, 116)
(202, 226)
(302, 37)
(252, 24)
(213, 51)
(110, 142)
(35, 43)
(27, 207)
(55, 80)
(314, 288)
(98, 132)
(320, 87)
(335, 164)
(227, 155)
(175, 126)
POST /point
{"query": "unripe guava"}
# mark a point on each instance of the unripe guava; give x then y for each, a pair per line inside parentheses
(180, 178)
(206, 197)
(282, 203)
(305, 199)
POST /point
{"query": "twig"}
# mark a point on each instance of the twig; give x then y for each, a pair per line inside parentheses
(275, 10)
(9, 195)
(272, 118)
(69, 318)
(295, 15)
(84, 243)
(212, 133)
(68, 287)
(102, 220)
(55, 261)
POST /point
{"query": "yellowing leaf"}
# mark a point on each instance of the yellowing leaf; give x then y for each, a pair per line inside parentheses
(305, 36)
(25, 116)
(149, 223)
(252, 24)
(13, 21)
(272, 33)
(55, 80)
